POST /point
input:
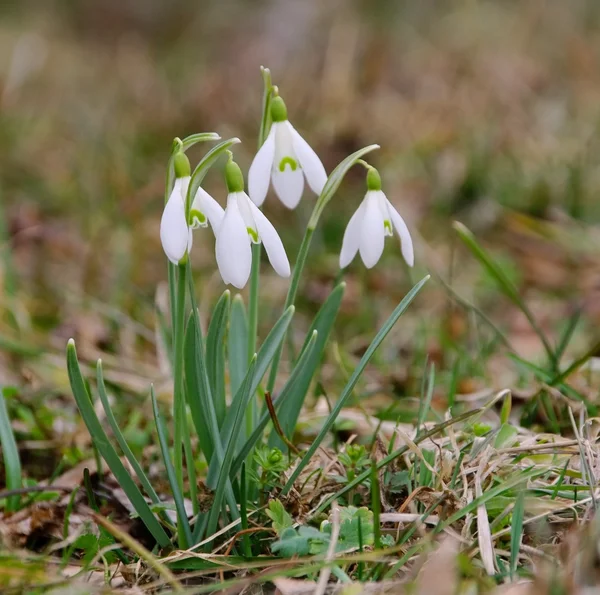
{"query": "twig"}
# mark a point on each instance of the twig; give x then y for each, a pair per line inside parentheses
(335, 533)
(140, 550)
(276, 425)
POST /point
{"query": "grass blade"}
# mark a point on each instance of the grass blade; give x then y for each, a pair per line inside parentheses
(107, 451)
(10, 453)
(516, 532)
(215, 354)
(237, 346)
(323, 323)
(505, 284)
(177, 495)
(238, 409)
(385, 329)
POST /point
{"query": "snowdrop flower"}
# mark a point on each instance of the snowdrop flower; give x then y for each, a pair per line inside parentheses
(243, 224)
(175, 232)
(285, 159)
(374, 219)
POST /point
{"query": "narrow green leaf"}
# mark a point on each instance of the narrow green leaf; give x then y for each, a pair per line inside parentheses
(302, 369)
(238, 409)
(237, 344)
(516, 532)
(106, 449)
(200, 399)
(215, 354)
(10, 453)
(505, 284)
(177, 495)
(425, 402)
(264, 357)
(322, 323)
(345, 394)
(334, 180)
(199, 137)
(114, 426)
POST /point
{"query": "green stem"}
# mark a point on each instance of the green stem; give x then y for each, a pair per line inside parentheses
(253, 308)
(178, 394)
(291, 297)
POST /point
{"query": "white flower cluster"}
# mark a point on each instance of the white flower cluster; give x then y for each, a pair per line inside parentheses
(285, 159)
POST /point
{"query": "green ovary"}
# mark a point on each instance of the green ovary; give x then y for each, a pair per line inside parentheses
(288, 160)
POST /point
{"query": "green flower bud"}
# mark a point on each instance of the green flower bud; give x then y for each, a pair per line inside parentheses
(373, 179)
(182, 165)
(275, 456)
(278, 110)
(233, 177)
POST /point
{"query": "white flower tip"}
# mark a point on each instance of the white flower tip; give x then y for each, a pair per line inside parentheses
(71, 342)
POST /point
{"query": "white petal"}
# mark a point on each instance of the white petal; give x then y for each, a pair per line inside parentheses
(406, 244)
(372, 233)
(288, 185)
(260, 170)
(174, 231)
(234, 256)
(272, 242)
(351, 239)
(315, 173)
(205, 204)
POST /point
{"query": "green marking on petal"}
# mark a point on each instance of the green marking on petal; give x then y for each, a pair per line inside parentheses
(197, 219)
(387, 225)
(253, 234)
(288, 160)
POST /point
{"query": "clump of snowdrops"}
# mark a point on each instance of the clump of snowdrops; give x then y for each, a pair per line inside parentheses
(233, 420)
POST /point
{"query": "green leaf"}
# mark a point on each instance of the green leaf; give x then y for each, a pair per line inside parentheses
(296, 393)
(298, 373)
(333, 182)
(237, 344)
(516, 532)
(106, 449)
(506, 437)
(279, 515)
(238, 408)
(10, 453)
(505, 284)
(215, 354)
(298, 543)
(203, 166)
(177, 495)
(264, 357)
(345, 394)
(265, 120)
(114, 426)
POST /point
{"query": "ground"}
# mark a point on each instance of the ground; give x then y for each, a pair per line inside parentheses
(486, 114)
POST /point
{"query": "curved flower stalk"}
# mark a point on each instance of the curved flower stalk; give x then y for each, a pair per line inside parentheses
(244, 224)
(374, 219)
(175, 232)
(285, 158)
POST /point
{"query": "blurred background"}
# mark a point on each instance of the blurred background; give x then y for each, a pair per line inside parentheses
(486, 112)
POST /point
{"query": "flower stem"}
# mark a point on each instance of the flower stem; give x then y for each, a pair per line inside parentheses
(178, 394)
(251, 410)
(291, 297)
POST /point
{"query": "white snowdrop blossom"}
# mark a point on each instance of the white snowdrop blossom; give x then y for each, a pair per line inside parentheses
(374, 219)
(285, 158)
(243, 224)
(175, 232)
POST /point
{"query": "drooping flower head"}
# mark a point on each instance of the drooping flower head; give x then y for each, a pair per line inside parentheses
(244, 224)
(175, 234)
(285, 158)
(374, 219)
(176, 225)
